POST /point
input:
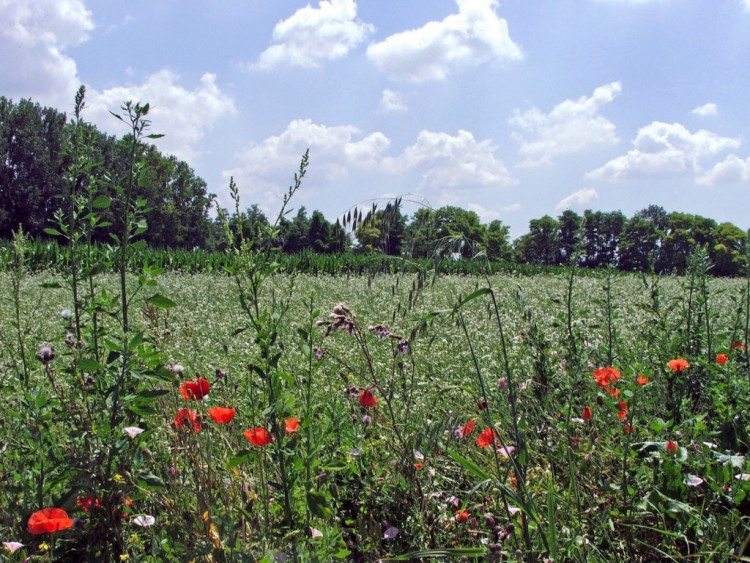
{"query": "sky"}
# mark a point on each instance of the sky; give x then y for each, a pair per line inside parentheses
(513, 109)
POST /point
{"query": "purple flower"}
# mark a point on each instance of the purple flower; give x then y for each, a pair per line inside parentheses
(45, 354)
(403, 347)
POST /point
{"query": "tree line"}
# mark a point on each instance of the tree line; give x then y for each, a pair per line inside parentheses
(38, 150)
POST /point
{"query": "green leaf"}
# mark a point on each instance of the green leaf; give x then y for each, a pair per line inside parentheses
(101, 202)
(87, 364)
(241, 457)
(318, 504)
(150, 481)
(53, 232)
(159, 300)
(342, 554)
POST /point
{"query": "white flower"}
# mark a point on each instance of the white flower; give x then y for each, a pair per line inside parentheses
(693, 481)
(66, 314)
(144, 521)
(132, 431)
(390, 533)
(314, 532)
(12, 546)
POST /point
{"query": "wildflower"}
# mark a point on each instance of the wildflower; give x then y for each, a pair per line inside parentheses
(503, 382)
(738, 346)
(291, 425)
(403, 347)
(177, 369)
(367, 399)
(513, 479)
(486, 438)
(85, 503)
(623, 412)
(189, 417)
(195, 389)
(221, 415)
(258, 437)
(12, 546)
(605, 378)
(381, 331)
(70, 339)
(418, 466)
(722, 359)
(693, 481)
(43, 547)
(467, 428)
(587, 414)
(481, 404)
(144, 521)
(45, 354)
(462, 515)
(641, 379)
(315, 533)
(66, 314)
(117, 478)
(48, 521)
(124, 557)
(132, 431)
(366, 420)
(391, 533)
(672, 447)
(629, 428)
(678, 365)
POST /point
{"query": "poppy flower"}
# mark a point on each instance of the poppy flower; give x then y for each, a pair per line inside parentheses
(291, 425)
(606, 377)
(587, 414)
(418, 466)
(48, 521)
(738, 346)
(486, 438)
(367, 399)
(85, 503)
(186, 416)
(678, 365)
(641, 379)
(623, 409)
(221, 415)
(258, 436)
(722, 359)
(467, 428)
(462, 515)
(672, 447)
(629, 428)
(195, 389)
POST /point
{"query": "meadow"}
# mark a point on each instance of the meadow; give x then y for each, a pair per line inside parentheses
(259, 415)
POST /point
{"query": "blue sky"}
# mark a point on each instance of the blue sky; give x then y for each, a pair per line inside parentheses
(513, 109)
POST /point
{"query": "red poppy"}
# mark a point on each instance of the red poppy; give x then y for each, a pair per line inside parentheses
(513, 479)
(629, 428)
(221, 415)
(258, 436)
(462, 515)
(418, 466)
(605, 377)
(486, 438)
(367, 399)
(738, 346)
(641, 379)
(678, 364)
(672, 447)
(587, 414)
(85, 503)
(291, 425)
(49, 520)
(468, 428)
(186, 416)
(623, 409)
(722, 359)
(195, 389)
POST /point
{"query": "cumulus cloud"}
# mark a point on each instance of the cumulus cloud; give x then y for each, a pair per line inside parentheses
(312, 35)
(181, 114)
(450, 162)
(578, 201)
(34, 35)
(489, 215)
(391, 101)
(730, 170)
(571, 126)
(706, 109)
(664, 149)
(335, 150)
(473, 36)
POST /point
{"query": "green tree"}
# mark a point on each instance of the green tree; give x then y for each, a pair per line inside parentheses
(319, 233)
(421, 234)
(569, 235)
(601, 237)
(541, 245)
(497, 241)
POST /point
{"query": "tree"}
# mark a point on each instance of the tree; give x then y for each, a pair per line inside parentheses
(601, 237)
(421, 234)
(319, 233)
(541, 245)
(497, 244)
(383, 229)
(294, 233)
(32, 165)
(569, 235)
(458, 231)
(728, 252)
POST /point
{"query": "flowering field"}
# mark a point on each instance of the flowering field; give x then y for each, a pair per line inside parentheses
(258, 416)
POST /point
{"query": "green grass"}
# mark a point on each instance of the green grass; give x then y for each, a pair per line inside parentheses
(571, 489)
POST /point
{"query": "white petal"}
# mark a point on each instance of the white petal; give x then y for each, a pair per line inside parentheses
(144, 521)
(132, 431)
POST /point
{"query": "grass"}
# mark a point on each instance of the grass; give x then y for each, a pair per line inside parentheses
(397, 480)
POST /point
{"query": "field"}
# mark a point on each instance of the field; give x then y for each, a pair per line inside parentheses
(508, 417)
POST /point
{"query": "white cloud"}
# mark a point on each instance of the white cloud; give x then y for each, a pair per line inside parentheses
(312, 35)
(450, 162)
(489, 215)
(182, 115)
(571, 126)
(664, 149)
(731, 170)
(34, 35)
(334, 151)
(391, 101)
(706, 109)
(473, 36)
(747, 5)
(578, 201)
